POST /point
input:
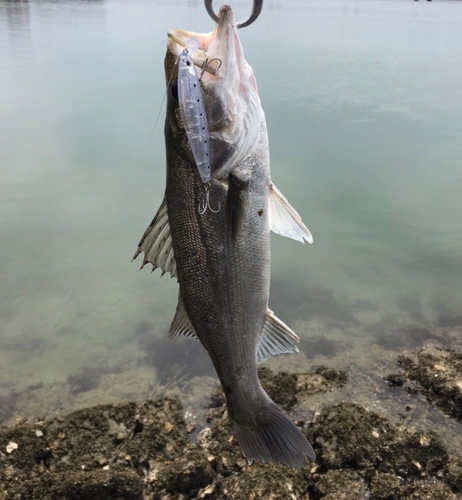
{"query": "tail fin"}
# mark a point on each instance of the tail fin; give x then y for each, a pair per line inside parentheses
(274, 439)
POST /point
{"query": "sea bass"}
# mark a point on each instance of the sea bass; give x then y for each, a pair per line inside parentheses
(215, 239)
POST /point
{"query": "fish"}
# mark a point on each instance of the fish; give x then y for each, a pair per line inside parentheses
(215, 239)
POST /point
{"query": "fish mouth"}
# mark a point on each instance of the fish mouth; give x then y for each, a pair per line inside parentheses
(222, 44)
(229, 87)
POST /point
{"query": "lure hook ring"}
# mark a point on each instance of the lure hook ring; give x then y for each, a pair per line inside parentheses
(256, 11)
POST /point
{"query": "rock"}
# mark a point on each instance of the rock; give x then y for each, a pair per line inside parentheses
(92, 432)
(432, 490)
(287, 389)
(284, 388)
(348, 436)
(78, 485)
(437, 372)
(185, 475)
(219, 444)
(454, 473)
(142, 451)
(340, 485)
(281, 387)
(343, 437)
(84, 380)
(86, 441)
(396, 379)
(267, 481)
(385, 487)
(322, 380)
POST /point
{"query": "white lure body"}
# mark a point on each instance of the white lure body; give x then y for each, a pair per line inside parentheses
(192, 111)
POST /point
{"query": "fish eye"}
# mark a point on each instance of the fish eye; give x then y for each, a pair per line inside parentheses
(174, 89)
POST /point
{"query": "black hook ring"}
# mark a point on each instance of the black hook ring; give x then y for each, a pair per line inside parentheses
(256, 11)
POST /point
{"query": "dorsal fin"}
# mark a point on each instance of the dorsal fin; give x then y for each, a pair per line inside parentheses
(276, 338)
(157, 244)
(284, 219)
(181, 324)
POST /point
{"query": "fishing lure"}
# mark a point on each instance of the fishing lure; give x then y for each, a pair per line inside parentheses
(192, 111)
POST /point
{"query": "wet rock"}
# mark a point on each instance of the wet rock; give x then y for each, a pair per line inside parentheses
(417, 454)
(142, 451)
(84, 380)
(340, 485)
(110, 437)
(26, 453)
(288, 389)
(385, 487)
(78, 485)
(185, 475)
(121, 433)
(322, 380)
(396, 379)
(281, 387)
(454, 473)
(404, 336)
(267, 481)
(431, 490)
(437, 372)
(349, 436)
(219, 444)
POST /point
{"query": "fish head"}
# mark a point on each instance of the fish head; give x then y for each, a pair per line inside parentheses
(229, 88)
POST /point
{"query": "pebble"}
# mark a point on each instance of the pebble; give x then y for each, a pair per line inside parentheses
(11, 446)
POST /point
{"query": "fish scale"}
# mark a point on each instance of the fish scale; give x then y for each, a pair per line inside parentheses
(242, 303)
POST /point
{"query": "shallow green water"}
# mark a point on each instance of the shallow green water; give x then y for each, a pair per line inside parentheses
(363, 101)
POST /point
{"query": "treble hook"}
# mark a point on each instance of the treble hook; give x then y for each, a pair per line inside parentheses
(205, 203)
(206, 64)
(256, 11)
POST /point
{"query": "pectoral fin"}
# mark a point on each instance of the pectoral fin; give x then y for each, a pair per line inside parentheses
(157, 244)
(181, 324)
(276, 338)
(284, 219)
(235, 204)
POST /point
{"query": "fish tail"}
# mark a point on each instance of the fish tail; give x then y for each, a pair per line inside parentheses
(273, 439)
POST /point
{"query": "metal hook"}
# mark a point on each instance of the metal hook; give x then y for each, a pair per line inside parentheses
(205, 203)
(206, 64)
(256, 11)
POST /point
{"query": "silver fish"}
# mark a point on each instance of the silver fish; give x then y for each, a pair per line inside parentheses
(222, 258)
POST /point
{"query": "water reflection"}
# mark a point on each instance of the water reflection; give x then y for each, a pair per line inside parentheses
(174, 360)
(17, 14)
(365, 143)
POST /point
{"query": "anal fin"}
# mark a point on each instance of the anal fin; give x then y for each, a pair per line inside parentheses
(181, 324)
(284, 219)
(276, 338)
(157, 243)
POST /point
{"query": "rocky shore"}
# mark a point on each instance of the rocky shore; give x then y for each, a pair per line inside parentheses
(147, 450)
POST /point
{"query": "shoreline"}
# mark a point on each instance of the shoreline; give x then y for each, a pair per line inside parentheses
(405, 443)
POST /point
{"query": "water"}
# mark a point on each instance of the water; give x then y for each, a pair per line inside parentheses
(363, 105)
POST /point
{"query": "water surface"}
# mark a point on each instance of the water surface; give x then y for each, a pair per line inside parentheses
(364, 111)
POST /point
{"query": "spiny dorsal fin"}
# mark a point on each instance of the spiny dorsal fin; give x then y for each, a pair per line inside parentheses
(181, 325)
(284, 219)
(276, 338)
(157, 244)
